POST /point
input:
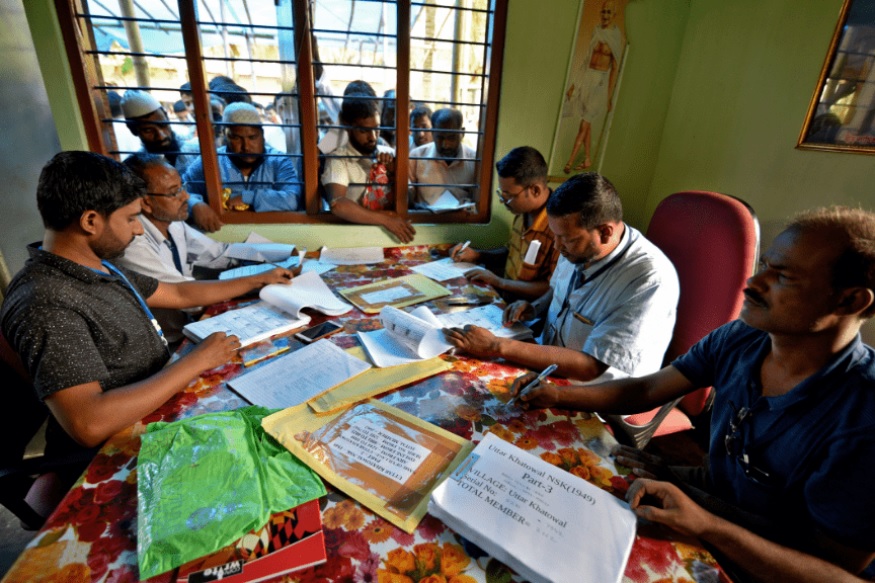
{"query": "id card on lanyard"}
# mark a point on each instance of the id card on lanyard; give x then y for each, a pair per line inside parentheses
(116, 271)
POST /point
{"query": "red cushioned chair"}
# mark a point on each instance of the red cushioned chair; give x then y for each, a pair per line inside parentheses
(713, 241)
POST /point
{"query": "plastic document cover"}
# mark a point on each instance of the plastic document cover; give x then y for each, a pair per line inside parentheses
(204, 482)
(386, 459)
(527, 513)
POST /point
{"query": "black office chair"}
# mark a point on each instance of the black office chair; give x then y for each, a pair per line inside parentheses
(19, 469)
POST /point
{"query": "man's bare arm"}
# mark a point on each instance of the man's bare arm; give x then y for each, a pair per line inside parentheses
(761, 558)
(189, 294)
(91, 415)
(355, 213)
(480, 342)
(623, 396)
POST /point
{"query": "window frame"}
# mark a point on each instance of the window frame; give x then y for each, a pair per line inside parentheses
(94, 108)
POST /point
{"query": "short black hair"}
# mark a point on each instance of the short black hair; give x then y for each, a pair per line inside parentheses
(229, 90)
(524, 164)
(140, 162)
(360, 87)
(442, 116)
(75, 181)
(418, 112)
(357, 106)
(589, 195)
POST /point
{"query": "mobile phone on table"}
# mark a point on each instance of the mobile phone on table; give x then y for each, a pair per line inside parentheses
(318, 331)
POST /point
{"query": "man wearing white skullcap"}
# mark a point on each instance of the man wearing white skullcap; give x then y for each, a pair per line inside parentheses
(148, 121)
(257, 175)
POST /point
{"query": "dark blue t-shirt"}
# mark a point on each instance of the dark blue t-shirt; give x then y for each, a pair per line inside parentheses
(804, 458)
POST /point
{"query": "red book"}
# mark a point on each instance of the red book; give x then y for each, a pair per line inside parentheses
(290, 540)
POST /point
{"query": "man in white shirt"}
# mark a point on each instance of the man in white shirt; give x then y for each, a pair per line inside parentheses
(169, 248)
(613, 297)
(444, 165)
(358, 176)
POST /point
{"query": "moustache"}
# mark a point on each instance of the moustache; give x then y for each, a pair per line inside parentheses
(754, 297)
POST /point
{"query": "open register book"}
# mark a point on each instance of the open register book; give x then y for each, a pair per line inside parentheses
(279, 311)
(418, 335)
(528, 513)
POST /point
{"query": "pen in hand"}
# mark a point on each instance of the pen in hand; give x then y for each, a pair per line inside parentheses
(461, 249)
(536, 381)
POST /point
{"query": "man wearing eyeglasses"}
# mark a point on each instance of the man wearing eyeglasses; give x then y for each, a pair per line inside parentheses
(613, 296)
(169, 249)
(146, 119)
(792, 448)
(531, 255)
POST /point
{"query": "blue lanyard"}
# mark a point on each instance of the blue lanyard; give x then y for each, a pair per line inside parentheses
(139, 298)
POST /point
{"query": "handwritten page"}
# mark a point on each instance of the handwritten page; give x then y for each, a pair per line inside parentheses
(370, 444)
(405, 338)
(489, 317)
(447, 202)
(264, 252)
(352, 255)
(298, 377)
(247, 270)
(306, 291)
(250, 323)
(443, 269)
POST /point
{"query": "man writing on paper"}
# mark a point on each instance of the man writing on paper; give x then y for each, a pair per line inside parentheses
(531, 255)
(444, 165)
(257, 175)
(612, 299)
(168, 249)
(147, 120)
(793, 423)
(358, 175)
(83, 326)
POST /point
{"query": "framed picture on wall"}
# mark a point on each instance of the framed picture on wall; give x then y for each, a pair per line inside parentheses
(841, 115)
(592, 80)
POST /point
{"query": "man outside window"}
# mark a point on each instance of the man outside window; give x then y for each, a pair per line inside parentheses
(254, 174)
(444, 165)
(358, 175)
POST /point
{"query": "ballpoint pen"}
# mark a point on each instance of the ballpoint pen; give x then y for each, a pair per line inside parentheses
(461, 250)
(537, 380)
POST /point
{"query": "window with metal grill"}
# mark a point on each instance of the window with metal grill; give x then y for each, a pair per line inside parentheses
(295, 62)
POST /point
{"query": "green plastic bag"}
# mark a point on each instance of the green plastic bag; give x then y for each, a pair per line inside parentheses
(205, 481)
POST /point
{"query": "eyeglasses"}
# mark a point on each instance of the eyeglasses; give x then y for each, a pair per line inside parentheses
(732, 439)
(734, 449)
(505, 200)
(175, 194)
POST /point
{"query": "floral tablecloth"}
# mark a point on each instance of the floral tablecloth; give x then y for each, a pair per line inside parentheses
(92, 534)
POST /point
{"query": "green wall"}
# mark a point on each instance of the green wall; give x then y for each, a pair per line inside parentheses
(747, 72)
(712, 96)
